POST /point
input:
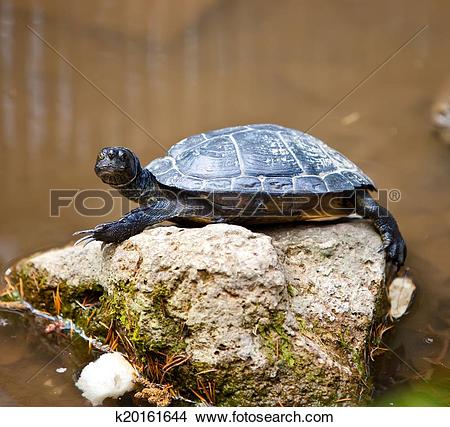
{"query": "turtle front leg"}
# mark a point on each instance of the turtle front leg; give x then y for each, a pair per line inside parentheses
(131, 224)
(387, 226)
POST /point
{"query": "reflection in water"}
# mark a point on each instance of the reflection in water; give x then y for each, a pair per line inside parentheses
(64, 109)
(35, 86)
(179, 68)
(7, 51)
(29, 367)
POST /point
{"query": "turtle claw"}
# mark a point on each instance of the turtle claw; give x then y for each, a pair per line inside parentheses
(77, 233)
(387, 242)
(88, 241)
(396, 252)
(109, 232)
(84, 241)
(395, 249)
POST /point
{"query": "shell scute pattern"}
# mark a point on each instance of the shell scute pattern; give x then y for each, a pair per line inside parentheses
(219, 184)
(337, 182)
(214, 158)
(170, 178)
(226, 131)
(186, 144)
(254, 158)
(247, 183)
(309, 153)
(309, 184)
(162, 165)
(273, 128)
(263, 153)
(190, 182)
(341, 160)
(278, 184)
(358, 179)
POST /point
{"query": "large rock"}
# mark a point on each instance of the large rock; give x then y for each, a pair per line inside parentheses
(276, 317)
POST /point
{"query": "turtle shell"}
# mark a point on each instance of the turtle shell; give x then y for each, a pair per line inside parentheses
(257, 158)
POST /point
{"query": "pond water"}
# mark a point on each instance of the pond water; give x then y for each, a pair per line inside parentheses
(361, 75)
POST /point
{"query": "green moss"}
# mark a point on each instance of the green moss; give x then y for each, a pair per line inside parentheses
(292, 290)
(142, 319)
(302, 325)
(360, 365)
(40, 292)
(11, 295)
(145, 319)
(167, 330)
(277, 343)
(120, 307)
(344, 341)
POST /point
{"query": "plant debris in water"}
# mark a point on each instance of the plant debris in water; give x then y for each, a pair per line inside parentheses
(153, 394)
(157, 365)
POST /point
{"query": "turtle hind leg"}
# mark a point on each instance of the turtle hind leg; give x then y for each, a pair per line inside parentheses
(134, 222)
(387, 226)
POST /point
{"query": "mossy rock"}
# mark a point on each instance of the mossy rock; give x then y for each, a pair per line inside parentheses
(227, 315)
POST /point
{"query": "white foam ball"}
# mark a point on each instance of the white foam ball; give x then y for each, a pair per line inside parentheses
(111, 375)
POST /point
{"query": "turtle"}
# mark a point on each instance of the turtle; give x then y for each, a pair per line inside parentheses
(246, 175)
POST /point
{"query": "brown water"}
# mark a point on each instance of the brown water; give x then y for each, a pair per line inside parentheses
(180, 67)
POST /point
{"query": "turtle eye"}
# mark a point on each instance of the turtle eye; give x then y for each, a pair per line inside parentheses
(101, 155)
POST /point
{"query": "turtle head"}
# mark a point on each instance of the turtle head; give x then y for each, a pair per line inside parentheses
(117, 166)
